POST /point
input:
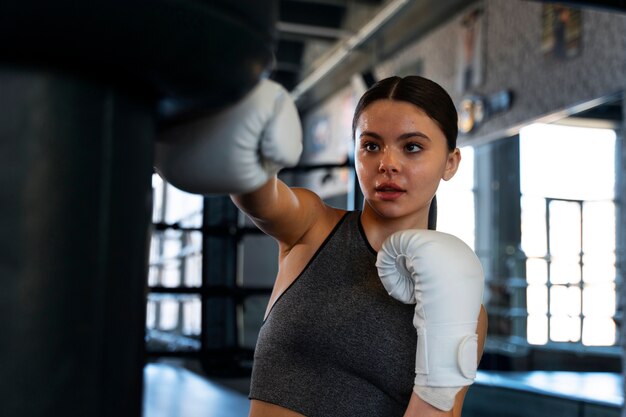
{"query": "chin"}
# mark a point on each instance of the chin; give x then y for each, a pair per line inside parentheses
(389, 211)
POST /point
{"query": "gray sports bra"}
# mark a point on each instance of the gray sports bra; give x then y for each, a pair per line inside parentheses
(335, 343)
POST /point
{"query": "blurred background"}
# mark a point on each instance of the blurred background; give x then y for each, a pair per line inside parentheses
(539, 87)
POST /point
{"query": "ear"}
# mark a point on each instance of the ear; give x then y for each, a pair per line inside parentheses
(452, 164)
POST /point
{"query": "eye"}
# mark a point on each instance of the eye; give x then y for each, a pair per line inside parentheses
(412, 147)
(370, 146)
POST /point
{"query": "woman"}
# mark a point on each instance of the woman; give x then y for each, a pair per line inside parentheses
(333, 342)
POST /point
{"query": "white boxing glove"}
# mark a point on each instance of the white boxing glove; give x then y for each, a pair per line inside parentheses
(444, 277)
(236, 150)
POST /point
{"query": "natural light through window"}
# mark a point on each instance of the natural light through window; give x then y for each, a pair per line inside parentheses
(175, 261)
(567, 179)
(455, 200)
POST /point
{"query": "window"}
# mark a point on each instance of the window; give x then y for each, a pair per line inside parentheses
(568, 224)
(455, 201)
(173, 315)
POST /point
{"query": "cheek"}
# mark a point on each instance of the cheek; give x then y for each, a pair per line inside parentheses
(359, 164)
(360, 170)
(426, 173)
(363, 174)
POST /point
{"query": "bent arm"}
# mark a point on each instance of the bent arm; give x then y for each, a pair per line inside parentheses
(282, 212)
(419, 408)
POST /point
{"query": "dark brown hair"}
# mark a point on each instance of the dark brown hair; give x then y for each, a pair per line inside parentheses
(423, 93)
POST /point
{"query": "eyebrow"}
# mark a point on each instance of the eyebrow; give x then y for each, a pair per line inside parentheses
(406, 135)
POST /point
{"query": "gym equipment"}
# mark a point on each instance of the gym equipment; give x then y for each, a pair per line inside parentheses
(85, 86)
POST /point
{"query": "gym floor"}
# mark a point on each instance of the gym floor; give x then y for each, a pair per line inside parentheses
(173, 391)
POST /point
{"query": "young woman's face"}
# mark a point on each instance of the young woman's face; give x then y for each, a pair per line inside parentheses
(401, 155)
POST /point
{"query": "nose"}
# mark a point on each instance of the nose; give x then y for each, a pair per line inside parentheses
(388, 162)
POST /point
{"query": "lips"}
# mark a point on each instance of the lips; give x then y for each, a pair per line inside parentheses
(389, 191)
(388, 186)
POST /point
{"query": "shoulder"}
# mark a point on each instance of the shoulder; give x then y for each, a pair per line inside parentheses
(323, 219)
(323, 214)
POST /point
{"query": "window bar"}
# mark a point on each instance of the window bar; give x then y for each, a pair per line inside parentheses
(549, 263)
(204, 282)
(580, 265)
(160, 250)
(580, 283)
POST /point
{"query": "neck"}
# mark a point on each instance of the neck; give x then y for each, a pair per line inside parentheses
(377, 228)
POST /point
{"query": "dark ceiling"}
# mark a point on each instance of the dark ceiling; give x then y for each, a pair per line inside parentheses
(301, 22)
(311, 34)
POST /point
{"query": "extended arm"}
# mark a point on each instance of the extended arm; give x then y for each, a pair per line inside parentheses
(280, 211)
(239, 151)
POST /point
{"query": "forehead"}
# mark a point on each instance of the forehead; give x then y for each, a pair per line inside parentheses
(391, 115)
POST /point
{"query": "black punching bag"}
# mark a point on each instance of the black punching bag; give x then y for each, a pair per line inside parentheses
(83, 86)
(75, 199)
